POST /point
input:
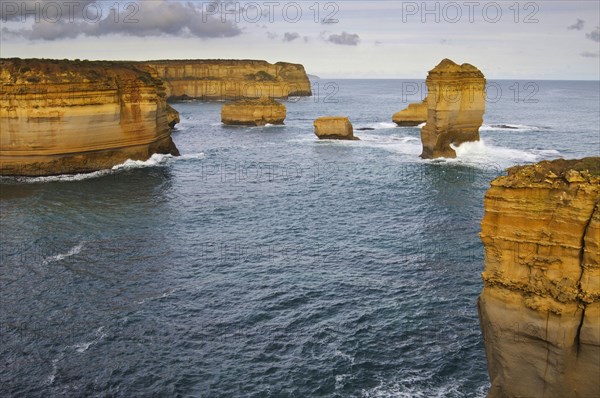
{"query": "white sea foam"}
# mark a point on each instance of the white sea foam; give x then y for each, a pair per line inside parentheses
(83, 347)
(58, 257)
(507, 127)
(52, 375)
(479, 152)
(418, 387)
(381, 125)
(155, 160)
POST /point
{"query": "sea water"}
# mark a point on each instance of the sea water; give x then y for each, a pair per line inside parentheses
(266, 263)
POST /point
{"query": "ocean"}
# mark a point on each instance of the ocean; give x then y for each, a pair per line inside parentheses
(266, 263)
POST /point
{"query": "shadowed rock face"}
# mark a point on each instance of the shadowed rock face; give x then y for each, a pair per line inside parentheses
(60, 117)
(455, 105)
(539, 309)
(413, 115)
(257, 112)
(230, 79)
(334, 128)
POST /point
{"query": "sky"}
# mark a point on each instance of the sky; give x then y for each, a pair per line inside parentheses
(546, 39)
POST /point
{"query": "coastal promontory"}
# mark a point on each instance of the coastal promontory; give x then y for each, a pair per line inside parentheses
(63, 117)
(223, 79)
(540, 306)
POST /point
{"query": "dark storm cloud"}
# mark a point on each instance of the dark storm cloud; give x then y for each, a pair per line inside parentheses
(150, 18)
(344, 39)
(577, 25)
(594, 35)
(290, 36)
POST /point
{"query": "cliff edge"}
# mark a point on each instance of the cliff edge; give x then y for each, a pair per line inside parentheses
(539, 309)
(62, 117)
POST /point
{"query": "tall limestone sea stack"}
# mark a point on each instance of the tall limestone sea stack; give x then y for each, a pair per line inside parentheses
(60, 117)
(455, 108)
(540, 306)
(231, 79)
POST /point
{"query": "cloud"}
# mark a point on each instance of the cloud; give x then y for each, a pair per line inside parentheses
(345, 39)
(594, 35)
(290, 36)
(589, 54)
(577, 25)
(150, 18)
(28, 10)
(272, 35)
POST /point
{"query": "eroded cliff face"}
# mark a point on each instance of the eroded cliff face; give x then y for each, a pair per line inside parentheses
(455, 105)
(540, 308)
(60, 117)
(231, 79)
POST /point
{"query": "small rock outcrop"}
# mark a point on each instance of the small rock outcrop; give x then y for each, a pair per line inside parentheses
(334, 128)
(253, 112)
(64, 117)
(455, 105)
(540, 306)
(413, 115)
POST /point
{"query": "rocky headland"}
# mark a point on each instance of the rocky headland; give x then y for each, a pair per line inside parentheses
(60, 116)
(455, 107)
(334, 128)
(230, 79)
(540, 306)
(253, 112)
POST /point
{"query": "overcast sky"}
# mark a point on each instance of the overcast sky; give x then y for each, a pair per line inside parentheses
(344, 39)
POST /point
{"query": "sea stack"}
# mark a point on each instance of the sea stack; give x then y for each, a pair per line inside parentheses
(539, 309)
(253, 112)
(455, 108)
(334, 128)
(414, 115)
(64, 117)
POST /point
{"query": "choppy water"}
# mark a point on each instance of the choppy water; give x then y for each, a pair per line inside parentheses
(265, 263)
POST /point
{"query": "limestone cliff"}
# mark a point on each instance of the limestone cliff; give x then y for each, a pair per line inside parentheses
(413, 115)
(253, 112)
(69, 116)
(231, 79)
(455, 105)
(540, 306)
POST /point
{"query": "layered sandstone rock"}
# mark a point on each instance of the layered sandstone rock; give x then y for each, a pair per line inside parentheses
(540, 306)
(230, 79)
(334, 128)
(455, 104)
(253, 112)
(69, 116)
(172, 116)
(413, 115)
